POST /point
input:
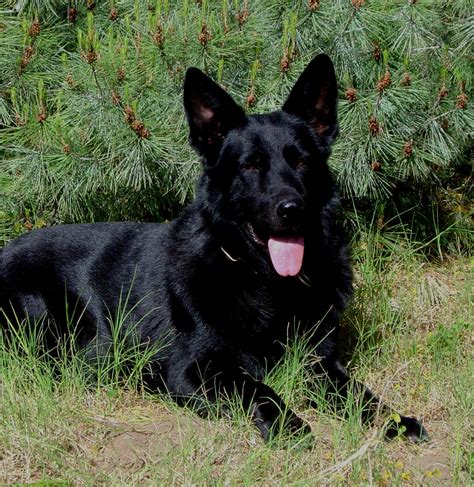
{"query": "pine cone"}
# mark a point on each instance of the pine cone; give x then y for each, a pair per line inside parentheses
(374, 126)
(121, 74)
(20, 122)
(384, 82)
(461, 101)
(377, 52)
(70, 80)
(41, 117)
(205, 36)
(251, 98)
(351, 95)
(26, 57)
(90, 56)
(116, 98)
(408, 148)
(35, 28)
(285, 62)
(158, 37)
(243, 15)
(375, 165)
(443, 93)
(358, 3)
(313, 4)
(406, 80)
(129, 114)
(113, 15)
(140, 129)
(71, 14)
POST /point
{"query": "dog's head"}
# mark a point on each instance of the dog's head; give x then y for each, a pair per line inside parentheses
(267, 174)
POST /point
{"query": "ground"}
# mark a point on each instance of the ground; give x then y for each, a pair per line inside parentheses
(412, 343)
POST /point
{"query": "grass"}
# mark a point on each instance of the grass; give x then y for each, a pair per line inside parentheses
(409, 336)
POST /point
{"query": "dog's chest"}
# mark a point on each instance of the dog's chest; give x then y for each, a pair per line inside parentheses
(252, 307)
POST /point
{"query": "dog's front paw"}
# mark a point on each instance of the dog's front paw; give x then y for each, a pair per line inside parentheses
(297, 426)
(409, 428)
(285, 427)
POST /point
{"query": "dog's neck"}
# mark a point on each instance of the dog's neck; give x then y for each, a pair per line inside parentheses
(302, 277)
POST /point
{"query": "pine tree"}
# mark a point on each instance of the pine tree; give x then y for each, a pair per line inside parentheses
(91, 120)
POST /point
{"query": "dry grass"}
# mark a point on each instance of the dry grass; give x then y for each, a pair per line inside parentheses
(417, 337)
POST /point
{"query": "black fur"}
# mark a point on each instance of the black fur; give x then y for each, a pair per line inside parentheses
(205, 281)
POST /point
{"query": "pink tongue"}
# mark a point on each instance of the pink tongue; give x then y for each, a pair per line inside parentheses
(286, 254)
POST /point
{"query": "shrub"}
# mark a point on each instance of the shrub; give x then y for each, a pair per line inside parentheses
(92, 125)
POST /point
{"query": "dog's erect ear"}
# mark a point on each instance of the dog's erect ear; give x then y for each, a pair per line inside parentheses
(314, 97)
(211, 112)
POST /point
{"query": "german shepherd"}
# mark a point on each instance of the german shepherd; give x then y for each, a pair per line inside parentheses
(260, 247)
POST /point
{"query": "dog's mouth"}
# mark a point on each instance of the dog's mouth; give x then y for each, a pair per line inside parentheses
(286, 251)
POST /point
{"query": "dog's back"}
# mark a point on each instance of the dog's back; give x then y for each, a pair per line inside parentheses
(83, 270)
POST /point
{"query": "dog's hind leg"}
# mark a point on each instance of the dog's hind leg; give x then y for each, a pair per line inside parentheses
(26, 306)
(339, 386)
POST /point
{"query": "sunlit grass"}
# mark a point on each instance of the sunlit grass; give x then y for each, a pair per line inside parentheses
(408, 335)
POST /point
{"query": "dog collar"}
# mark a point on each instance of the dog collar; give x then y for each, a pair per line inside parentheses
(228, 255)
(304, 279)
(301, 276)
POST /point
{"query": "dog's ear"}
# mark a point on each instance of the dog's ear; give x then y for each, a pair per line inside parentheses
(211, 112)
(314, 97)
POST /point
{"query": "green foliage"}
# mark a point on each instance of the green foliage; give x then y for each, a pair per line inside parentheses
(91, 120)
(446, 340)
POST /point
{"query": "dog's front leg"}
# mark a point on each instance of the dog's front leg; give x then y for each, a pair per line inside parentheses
(269, 412)
(338, 388)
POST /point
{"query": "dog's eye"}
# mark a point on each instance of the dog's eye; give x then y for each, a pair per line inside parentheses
(254, 164)
(252, 167)
(301, 163)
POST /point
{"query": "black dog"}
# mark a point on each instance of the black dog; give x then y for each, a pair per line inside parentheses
(258, 249)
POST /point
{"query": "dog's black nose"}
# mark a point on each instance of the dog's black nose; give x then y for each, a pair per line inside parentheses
(290, 210)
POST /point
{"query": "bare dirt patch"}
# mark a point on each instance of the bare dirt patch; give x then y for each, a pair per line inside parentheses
(134, 445)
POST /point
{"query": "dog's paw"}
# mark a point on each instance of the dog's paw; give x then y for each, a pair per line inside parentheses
(287, 428)
(297, 427)
(406, 427)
